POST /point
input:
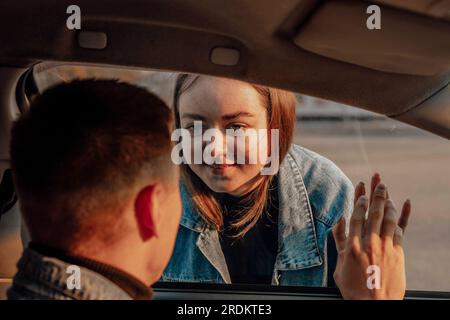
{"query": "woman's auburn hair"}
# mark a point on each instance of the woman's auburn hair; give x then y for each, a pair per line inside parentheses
(281, 115)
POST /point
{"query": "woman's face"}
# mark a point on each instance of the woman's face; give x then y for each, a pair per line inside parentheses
(226, 104)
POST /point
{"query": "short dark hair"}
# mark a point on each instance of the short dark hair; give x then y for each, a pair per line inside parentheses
(79, 151)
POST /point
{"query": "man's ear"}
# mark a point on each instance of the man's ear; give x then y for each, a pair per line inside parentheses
(145, 207)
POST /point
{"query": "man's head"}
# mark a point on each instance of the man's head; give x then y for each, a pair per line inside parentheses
(92, 167)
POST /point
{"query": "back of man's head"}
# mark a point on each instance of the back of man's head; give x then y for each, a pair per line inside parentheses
(79, 154)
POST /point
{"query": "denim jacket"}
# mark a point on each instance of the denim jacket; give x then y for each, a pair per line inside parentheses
(313, 195)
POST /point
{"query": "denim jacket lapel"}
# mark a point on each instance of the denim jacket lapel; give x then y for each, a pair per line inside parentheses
(209, 244)
(208, 239)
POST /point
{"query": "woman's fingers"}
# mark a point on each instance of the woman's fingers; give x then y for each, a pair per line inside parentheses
(389, 221)
(358, 217)
(339, 229)
(382, 213)
(376, 210)
(398, 236)
(381, 219)
(404, 217)
(402, 223)
(360, 190)
(339, 234)
(376, 180)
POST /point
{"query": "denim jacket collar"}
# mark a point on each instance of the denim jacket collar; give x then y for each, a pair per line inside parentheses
(44, 277)
(296, 225)
(208, 241)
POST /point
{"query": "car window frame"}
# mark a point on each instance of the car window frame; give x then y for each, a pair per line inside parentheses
(27, 87)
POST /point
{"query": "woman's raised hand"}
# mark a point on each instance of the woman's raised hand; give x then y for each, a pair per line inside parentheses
(371, 262)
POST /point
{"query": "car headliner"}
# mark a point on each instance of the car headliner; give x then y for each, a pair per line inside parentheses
(180, 34)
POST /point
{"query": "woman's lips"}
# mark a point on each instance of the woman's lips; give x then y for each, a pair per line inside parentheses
(220, 168)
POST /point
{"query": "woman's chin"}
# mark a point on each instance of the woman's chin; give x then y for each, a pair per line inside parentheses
(221, 187)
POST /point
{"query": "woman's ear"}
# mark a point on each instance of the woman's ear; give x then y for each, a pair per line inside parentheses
(146, 211)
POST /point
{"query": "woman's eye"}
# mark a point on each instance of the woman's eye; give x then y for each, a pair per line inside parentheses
(193, 130)
(236, 126)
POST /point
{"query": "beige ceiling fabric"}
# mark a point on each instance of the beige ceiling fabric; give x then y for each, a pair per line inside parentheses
(406, 44)
(433, 8)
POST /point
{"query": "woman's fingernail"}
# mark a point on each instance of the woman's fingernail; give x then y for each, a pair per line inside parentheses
(390, 202)
(362, 201)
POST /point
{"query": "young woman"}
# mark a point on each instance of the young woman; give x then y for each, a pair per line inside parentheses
(239, 226)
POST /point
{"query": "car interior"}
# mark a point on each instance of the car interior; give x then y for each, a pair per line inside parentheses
(318, 48)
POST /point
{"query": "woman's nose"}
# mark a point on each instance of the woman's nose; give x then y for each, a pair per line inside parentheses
(218, 147)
